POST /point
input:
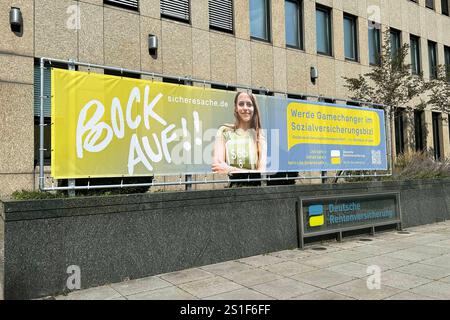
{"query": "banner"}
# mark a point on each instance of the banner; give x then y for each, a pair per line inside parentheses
(108, 126)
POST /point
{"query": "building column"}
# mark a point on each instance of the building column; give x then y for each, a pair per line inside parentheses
(445, 126)
(428, 127)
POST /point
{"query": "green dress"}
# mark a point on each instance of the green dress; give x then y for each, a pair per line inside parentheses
(240, 147)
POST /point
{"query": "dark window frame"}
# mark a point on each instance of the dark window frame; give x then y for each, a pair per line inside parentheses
(399, 128)
(170, 17)
(445, 9)
(215, 28)
(398, 34)
(354, 20)
(377, 44)
(419, 130)
(436, 128)
(329, 28)
(432, 54)
(431, 6)
(269, 24)
(123, 5)
(301, 28)
(419, 60)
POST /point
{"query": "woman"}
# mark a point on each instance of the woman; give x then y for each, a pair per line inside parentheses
(241, 147)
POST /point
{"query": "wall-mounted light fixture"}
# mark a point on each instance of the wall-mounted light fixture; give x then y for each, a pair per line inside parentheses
(15, 19)
(314, 74)
(153, 45)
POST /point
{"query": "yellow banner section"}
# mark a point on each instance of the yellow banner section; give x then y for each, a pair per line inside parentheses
(107, 126)
(322, 124)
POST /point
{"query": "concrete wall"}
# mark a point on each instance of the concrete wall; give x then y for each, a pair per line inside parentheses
(118, 37)
(133, 236)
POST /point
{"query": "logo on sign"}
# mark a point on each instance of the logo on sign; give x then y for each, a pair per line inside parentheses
(316, 217)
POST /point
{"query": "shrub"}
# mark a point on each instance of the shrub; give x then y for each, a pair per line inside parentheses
(35, 195)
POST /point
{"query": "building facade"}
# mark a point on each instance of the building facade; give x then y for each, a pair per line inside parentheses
(266, 44)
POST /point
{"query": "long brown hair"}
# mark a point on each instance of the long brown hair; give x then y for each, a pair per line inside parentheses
(255, 121)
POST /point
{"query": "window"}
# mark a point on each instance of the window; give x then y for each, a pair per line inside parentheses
(122, 74)
(259, 20)
(323, 30)
(296, 97)
(293, 24)
(374, 43)
(436, 135)
(222, 87)
(176, 9)
(429, 4)
(128, 4)
(432, 59)
(350, 37)
(445, 7)
(418, 130)
(395, 42)
(47, 108)
(399, 131)
(447, 61)
(415, 54)
(221, 15)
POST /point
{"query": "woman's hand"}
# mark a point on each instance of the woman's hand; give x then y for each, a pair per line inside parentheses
(221, 167)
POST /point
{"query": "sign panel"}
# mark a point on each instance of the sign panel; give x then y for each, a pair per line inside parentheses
(348, 212)
(107, 126)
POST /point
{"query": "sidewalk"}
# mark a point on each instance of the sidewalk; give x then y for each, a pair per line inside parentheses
(414, 265)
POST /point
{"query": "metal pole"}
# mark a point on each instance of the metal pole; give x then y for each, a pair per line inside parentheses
(71, 182)
(41, 128)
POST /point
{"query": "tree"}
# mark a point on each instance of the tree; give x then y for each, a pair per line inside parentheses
(439, 90)
(391, 82)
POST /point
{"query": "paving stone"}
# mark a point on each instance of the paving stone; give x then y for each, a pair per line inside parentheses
(323, 278)
(322, 295)
(441, 261)
(432, 250)
(261, 260)
(241, 294)
(209, 287)
(186, 276)
(252, 277)
(169, 293)
(409, 255)
(284, 288)
(447, 280)
(401, 280)
(350, 255)
(358, 289)
(425, 271)
(385, 263)
(139, 285)
(226, 267)
(323, 261)
(408, 296)
(97, 293)
(351, 269)
(436, 289)
(374, 249)
(289, 268)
